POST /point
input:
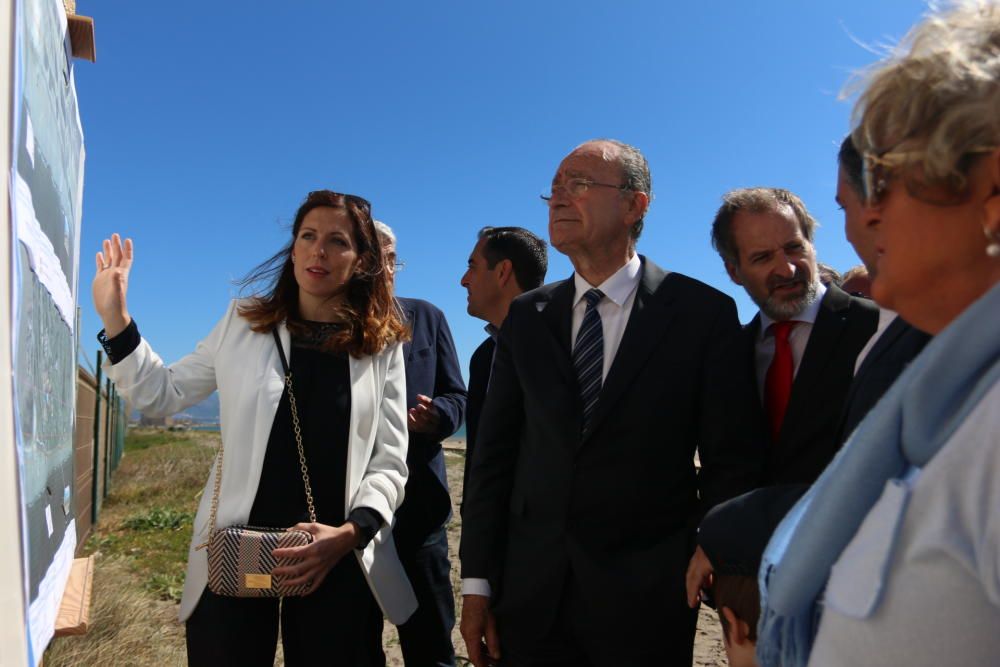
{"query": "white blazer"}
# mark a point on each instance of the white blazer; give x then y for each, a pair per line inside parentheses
(246, 369)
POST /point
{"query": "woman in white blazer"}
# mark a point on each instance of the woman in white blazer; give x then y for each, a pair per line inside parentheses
(330, 301)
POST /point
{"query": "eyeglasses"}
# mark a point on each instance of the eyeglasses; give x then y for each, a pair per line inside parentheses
(390, 258)
(877, 173)
(575, 187)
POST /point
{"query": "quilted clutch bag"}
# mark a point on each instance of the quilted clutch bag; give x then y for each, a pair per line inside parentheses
(240, 561)
(239, 557)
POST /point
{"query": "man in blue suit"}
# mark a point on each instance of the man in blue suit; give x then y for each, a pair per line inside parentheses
(436, 397)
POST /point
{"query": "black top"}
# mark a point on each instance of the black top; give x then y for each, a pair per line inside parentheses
(322, 387)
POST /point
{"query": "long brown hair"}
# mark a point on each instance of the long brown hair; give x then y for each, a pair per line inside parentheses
(369, 315)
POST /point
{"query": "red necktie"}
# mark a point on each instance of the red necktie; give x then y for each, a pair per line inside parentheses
(778, 385)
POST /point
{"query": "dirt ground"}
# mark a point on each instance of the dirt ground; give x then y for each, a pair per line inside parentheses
(708, 649)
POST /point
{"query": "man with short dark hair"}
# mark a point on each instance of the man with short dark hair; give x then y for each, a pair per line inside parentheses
(436, 398)
(583, 494)
(506, 262)
(807, 335)
(896, 342)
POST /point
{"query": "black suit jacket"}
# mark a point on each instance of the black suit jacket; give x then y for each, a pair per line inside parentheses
(895, 348)
(479, 379)
(432, 369)
(613, 513)
(809, 436)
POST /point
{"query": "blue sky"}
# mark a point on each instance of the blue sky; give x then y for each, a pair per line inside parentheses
(206, 123)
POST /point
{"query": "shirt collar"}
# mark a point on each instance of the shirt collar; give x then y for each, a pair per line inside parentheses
(808, 315)
(617, 287)
(492, 331)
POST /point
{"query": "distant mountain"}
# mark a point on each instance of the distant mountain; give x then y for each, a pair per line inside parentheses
(206, 412)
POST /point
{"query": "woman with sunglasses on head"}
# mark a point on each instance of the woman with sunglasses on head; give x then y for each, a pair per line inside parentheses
(893, 556)
(330, 303)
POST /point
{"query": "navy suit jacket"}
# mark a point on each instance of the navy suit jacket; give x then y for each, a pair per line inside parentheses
(889, 356)
(810, 434)
(480, 367)
(432, 369)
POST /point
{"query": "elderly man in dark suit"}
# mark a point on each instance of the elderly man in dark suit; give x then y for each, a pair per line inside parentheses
(436, 397)
(583, 494)
(805, 340)
(506, 262)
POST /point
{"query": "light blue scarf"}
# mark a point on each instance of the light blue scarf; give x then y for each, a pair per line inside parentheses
(918, 414)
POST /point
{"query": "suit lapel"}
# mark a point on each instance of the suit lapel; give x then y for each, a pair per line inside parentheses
(885, 342)
(555, 308)
(751, 332)
(363, 420)
(408, 318)
(820, 351)
(646, 323)
(896, 329)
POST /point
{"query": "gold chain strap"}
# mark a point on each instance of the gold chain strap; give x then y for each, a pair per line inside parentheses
(302, 465)
(302, 452)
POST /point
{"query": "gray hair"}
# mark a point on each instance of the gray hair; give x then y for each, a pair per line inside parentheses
(859, 271)
(829, 275)
(385, 233)
(635, 171)
(755, 200)
(940, 89)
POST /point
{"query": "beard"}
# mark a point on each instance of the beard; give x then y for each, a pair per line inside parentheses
(787, 309)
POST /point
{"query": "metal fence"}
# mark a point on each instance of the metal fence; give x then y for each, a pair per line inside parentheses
(98, 444)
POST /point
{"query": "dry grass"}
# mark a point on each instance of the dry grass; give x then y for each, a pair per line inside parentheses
(140, 545)
(129, 626)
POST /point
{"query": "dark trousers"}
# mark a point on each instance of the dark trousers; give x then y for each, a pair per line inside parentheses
(574, 641)
(426, 637)
(338, 624)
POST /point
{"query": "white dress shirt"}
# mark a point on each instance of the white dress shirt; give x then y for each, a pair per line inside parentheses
(616, 306)
(797, 339)
(885, 318)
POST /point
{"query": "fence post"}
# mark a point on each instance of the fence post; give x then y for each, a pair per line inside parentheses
(113, 402)
(95, 495)
(118, 428)
(123, 429)
(107, 433)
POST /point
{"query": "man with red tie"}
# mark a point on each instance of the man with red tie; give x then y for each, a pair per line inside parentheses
(806, 338)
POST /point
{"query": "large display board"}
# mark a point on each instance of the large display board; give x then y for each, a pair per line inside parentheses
(46, 183)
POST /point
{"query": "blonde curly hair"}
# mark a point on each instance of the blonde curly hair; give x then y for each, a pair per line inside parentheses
(936, 94)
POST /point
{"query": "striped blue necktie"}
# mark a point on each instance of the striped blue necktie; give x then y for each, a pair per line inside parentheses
(588, 357)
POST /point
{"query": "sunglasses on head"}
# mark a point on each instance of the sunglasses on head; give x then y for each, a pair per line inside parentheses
(360, 202)
(880, 169)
